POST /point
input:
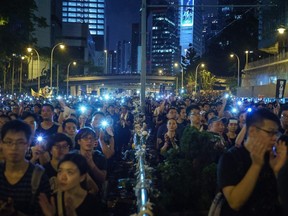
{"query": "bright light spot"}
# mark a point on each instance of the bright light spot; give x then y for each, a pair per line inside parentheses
(82, 109)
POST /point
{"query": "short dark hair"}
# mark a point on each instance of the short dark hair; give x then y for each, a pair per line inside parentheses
(180, 108)
(98, 113)
(29, 114)
(69, 120)
(83, 132)
(16, 126)
(48, 105)
(258, 116)
(38, 105)
(188, 109)
(79, 160)
(58, 137)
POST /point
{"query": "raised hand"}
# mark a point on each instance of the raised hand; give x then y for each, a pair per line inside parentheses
(278, 160)
(257, 151)
(48, 207)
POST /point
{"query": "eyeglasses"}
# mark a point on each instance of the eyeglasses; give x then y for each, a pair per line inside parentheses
(270, 133)
(194, 114)
(88, 139)
(9, 143)
(284, 116)
(60, 147)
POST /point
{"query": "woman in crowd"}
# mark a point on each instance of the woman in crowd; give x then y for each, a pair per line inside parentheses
(170, 138)
(71, 199)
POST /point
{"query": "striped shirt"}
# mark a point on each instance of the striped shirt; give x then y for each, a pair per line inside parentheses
(21, 192)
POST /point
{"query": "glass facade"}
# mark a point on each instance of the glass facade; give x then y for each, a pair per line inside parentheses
(91, 12)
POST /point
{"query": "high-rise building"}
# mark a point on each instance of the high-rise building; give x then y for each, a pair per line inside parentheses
(163, 41)
(91, 12)
(123, 57)
(135, 43)
(191, 25)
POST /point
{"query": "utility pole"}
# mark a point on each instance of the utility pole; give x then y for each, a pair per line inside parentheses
(143, 55)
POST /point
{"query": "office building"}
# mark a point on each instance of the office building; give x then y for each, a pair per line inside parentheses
(91, 12)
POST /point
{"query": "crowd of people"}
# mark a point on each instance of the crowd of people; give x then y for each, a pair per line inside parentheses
(57, 154)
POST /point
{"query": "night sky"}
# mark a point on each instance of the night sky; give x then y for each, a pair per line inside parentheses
(122, 13)
(120, 16)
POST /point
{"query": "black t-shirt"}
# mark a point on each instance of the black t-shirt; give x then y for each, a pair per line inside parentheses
(21, 192)
(47, 132)
(232, 168)
(283, 187)
(90, 206)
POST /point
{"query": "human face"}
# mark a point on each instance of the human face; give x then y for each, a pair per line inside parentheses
(182, 114)
(32, 123)
(70, 129)
(96, 121)
(269, 131)
(111, 109)
(206, 107)
(87, 143)
(217, 127)
(284, 119)
(210, 115)
(68, 176)
(172, 114)
(242, 118)
(171, 125)
(195, 117)
(232, 127)
(59, 149)
(47, 113)
(36, 109)
(14, 146)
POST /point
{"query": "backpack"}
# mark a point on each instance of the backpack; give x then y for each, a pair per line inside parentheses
(35, 180)
(216, 206)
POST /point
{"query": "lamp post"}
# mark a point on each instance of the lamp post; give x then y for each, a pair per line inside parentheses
(182, 75)
(106, 67)
(238, 68)
(13, 72)
(29, 49)
(196, 74)
(62, 46)
(21, 73)
(67, 78)
(281, 30)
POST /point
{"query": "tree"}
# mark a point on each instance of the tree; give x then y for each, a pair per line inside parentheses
(207, 80)
(17, 23)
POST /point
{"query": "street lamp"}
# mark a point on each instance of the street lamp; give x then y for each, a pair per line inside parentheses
(238, 68)
(21, 73)
(29, 49)
(247, 57)
(160, 72)
(106, 67)
(62, 46)
(67, 78)
(182, 76)
(13, 72)
(196, 74)
(281, 30)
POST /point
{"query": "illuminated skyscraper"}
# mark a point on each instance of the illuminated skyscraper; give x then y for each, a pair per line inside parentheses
(91, 12)
(191, 25)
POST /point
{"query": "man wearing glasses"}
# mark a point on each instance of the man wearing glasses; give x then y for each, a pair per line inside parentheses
(16, 196)
(247, 176)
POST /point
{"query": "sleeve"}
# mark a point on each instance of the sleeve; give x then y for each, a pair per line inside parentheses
(227, 171)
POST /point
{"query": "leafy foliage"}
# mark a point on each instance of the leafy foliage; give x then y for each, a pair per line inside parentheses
(188, 176)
